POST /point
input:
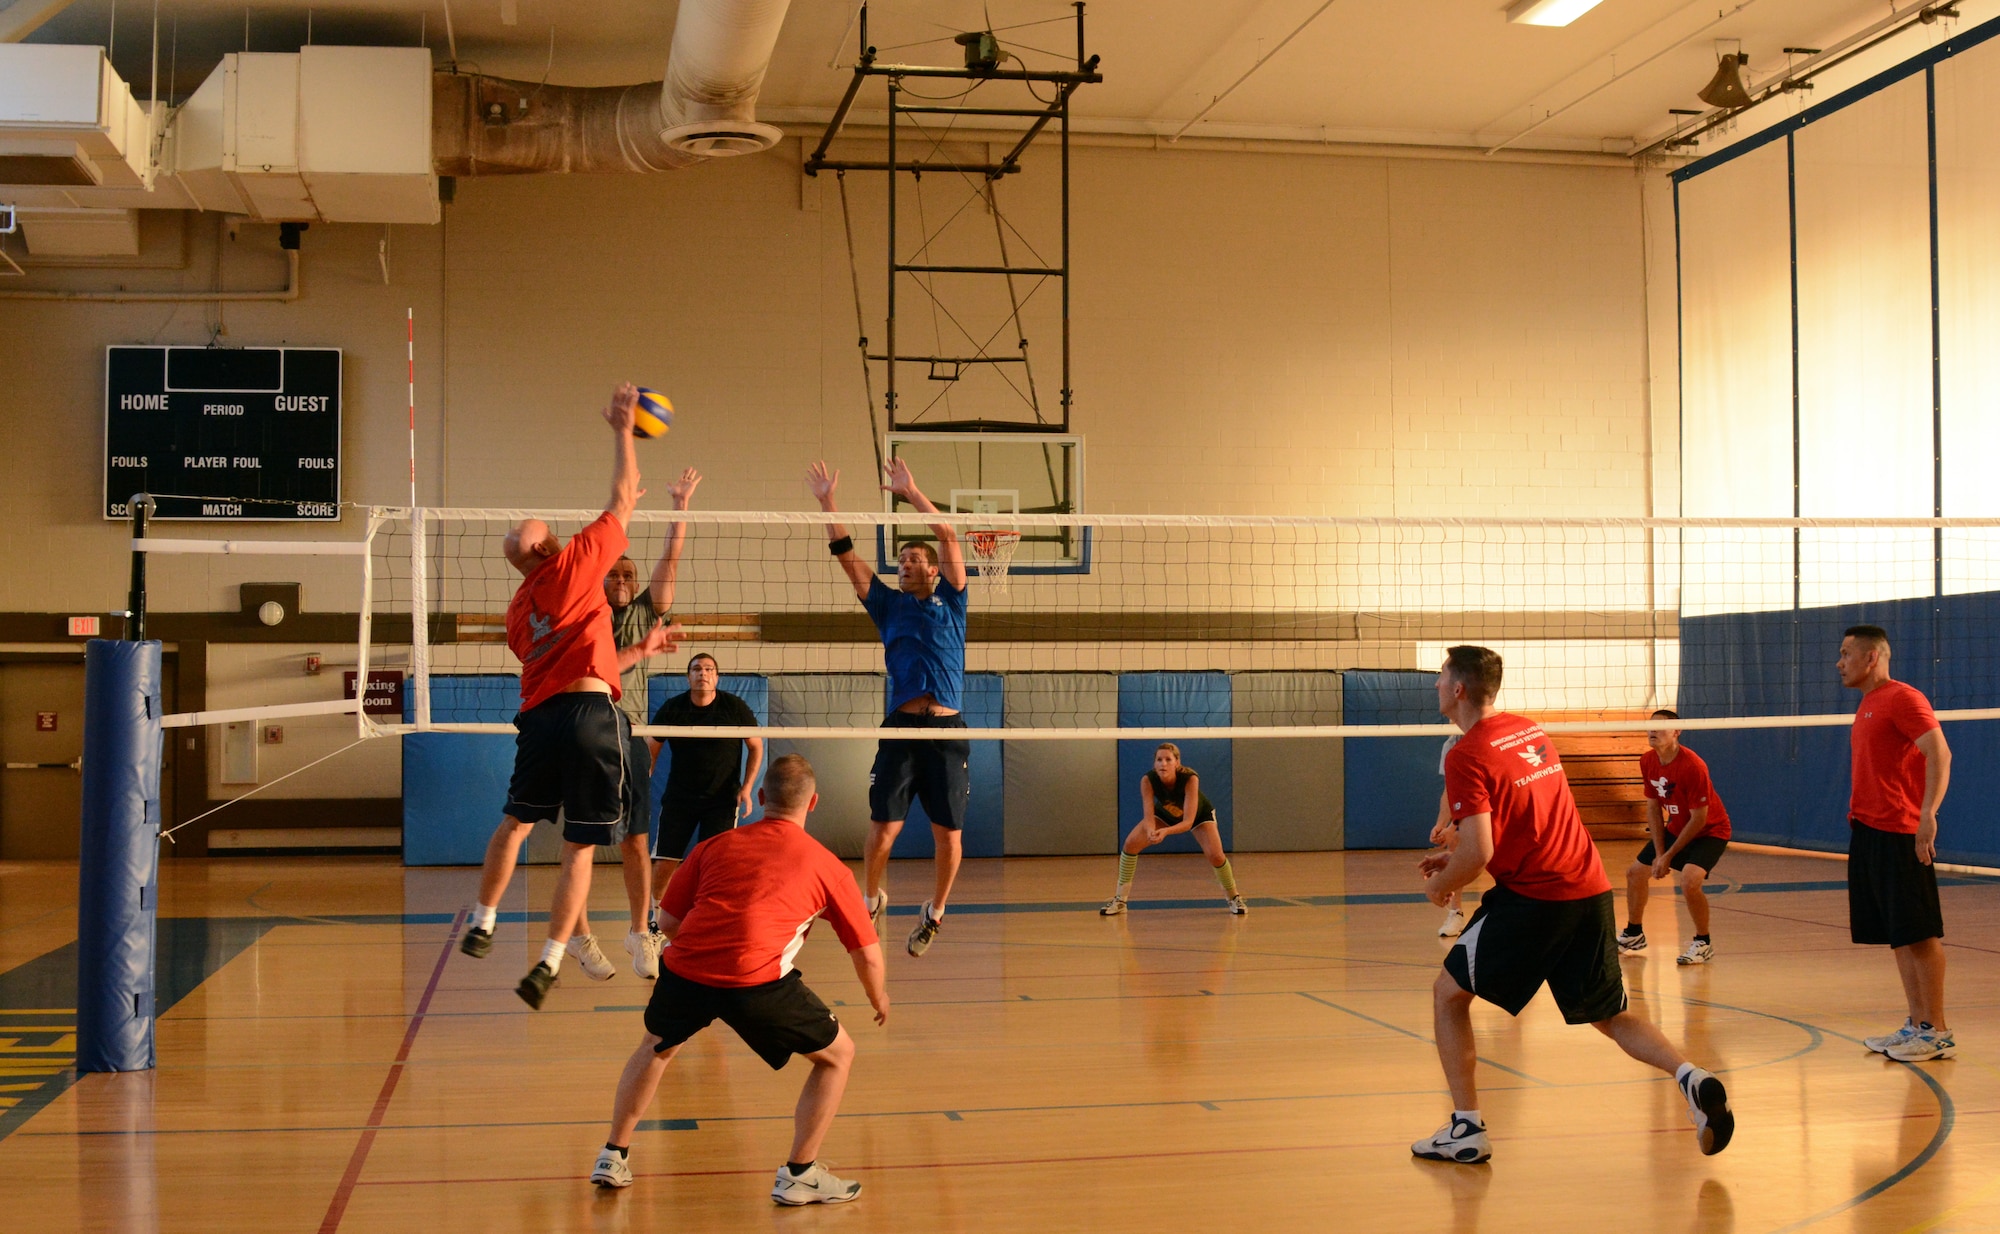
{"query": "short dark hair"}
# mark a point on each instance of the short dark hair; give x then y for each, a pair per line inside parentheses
(1475, 668)
(1873, 635)
(930, 554)
(698, 657)
(790, 783)
(1665, 713)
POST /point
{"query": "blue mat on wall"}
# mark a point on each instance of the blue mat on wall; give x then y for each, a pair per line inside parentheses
(1195, 699)
(984, 706)
(1790, 786)
(1392, 783)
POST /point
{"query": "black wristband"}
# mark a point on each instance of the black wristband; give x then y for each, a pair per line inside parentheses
(843, 545)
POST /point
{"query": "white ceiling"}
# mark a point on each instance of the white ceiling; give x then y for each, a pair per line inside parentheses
(1403, 71)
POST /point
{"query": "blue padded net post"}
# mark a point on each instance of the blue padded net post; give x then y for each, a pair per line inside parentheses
(119, 870)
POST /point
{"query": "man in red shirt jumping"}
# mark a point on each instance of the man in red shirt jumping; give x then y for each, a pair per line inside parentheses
(572, 753)
(1901, 767)
(736, 913)
(1690, 832)
(1549, 919)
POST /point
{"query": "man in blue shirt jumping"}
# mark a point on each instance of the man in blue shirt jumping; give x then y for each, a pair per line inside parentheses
(923, 645)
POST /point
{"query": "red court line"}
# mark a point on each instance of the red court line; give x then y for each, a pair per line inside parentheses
(337, 1207)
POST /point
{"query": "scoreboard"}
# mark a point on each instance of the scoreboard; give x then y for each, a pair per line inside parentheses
(225, 434)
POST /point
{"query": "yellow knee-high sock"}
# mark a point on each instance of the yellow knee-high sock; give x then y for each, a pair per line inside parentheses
(1227, 877)
(1128, 865)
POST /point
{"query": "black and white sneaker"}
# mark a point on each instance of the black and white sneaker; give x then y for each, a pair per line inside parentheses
(1460, 1140)
(534, 988)
(925, 932)
(816, 1186)
(1708, 1109)
(1631, 941)
(611, 1170)
(476, 943)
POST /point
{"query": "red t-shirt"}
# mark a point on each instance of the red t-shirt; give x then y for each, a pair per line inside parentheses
(1682, 787)
(746, 899)
(1888, 791)
(1507, 767)
(559, 622)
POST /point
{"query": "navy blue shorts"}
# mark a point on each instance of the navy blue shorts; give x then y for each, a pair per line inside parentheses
(933, 772)
(570, 755)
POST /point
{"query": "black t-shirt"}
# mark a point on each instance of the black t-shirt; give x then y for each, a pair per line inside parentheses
(1167, 801)
(705, 768)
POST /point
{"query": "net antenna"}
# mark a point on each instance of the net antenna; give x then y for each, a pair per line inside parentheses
(993, 551)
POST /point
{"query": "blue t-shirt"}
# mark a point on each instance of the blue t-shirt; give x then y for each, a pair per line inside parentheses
(923, 641)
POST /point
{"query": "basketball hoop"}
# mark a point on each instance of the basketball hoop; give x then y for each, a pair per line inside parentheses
(994, 552)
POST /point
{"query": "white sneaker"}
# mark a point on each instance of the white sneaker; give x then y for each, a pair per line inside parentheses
(1924, 1045)
(816, 1186)
(1889, 1041)
(1708, 1109)
(611, 1170)
(1454, 924)
(1699, 951)
(584, 950)
(1459, 1140)
(1237, 908)
(1112, 907)
(644, 948)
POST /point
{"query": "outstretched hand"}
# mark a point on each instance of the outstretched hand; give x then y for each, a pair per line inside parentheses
(624, 403)
(822, 480)
(661, 639)
(682, 490)
(900, 481)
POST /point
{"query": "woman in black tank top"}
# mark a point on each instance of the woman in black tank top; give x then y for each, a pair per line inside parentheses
(1171, 801)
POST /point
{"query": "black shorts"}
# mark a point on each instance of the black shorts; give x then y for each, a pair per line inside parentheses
(777, 1019)
(1703, 851)
(1514, 944)
(638, 784)
(1892, 898)
(682, 819)
(933, 772)
(570, 755)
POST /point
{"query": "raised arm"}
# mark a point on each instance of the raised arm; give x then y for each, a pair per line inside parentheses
(1937, 778)
(822, 480)
(668, 568)
(874, 978)
(951, 558)
(659, 640)
(625, 490)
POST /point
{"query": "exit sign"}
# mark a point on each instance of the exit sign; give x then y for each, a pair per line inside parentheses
(83, 627)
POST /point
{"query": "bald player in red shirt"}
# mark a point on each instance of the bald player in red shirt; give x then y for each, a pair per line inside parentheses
(736, 913)
(1548, 919)
(572, 751)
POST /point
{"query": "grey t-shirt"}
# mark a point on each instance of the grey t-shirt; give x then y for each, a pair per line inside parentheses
(628, 626)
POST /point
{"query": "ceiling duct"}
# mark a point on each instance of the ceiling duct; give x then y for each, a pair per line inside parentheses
(705, 108)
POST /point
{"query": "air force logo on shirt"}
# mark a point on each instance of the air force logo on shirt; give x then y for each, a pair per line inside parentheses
(1663, 786)
(1534, 754)
(539, 627)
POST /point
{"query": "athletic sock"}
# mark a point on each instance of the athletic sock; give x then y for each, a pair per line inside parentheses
(1471, 1116)
(1703, 938)
(798, 1168)
(484, 917)
(552, 954)
(1128, 868)
(623, 1150)
(1227, 877)
(1633, 927)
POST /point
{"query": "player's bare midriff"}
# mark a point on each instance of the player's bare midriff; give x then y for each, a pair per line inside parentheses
(925, 705)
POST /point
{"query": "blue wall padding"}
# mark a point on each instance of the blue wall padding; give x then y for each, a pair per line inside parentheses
(1197, 700)
(753, 689)
(454, 790)
(472, 698)
(1392, 782)
(983, 706)
(118, 873)
(1790, 786)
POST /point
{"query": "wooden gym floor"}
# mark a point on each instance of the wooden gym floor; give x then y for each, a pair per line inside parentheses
(329, 1061)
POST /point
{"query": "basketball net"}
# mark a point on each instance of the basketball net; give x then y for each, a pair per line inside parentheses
(994, 552)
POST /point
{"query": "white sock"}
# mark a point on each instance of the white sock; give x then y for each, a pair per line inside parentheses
(1471, 1116)
(552, 954)
(1681, 1073)
(484, 917)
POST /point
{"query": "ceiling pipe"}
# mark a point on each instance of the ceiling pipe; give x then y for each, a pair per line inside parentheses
(705, 107)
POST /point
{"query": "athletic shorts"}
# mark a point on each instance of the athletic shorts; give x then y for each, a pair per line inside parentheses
(638, 785)
(1892, 898)
(570, 756)
(1514, 944)
(1703, 851)
(933, 772)
(682, 820)
(777, 1019)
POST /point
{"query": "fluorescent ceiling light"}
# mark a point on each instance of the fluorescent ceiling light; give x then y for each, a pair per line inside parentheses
(1548, 12)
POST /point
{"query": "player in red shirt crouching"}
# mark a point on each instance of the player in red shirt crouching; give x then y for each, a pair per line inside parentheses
(1549, 919)
(735, 914)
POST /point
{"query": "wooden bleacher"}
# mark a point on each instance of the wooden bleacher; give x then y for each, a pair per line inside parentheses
(1603, 771)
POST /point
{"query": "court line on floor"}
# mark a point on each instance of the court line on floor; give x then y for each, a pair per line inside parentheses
(337, 1207)
(1397, 1028)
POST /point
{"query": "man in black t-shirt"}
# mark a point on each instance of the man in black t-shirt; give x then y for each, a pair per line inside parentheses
(708, 785)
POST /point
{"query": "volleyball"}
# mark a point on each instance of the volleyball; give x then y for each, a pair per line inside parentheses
(653, 416)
